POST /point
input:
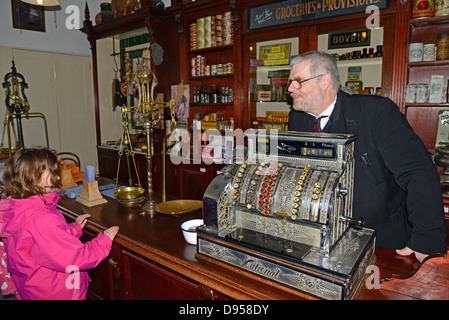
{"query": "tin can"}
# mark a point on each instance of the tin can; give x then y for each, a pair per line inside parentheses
(447, 99)
(422, 93)
(410, 93)
(193, 37)
(168, 130)
(443, 46)
(207, 32)
(213, 70)
(212, 32)
(423, 9)
(429, 52)
(370, 90)
(193, 66)
(441, 8)
(220, 69)
(200, 32)
(207, 71)
(415, 51)
(229, 68)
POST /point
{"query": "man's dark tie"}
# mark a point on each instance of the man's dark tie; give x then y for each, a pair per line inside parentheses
(317, 123)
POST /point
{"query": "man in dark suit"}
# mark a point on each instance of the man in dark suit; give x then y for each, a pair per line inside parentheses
(396, 184)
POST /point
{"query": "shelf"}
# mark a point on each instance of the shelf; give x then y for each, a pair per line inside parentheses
(428, 104)
(211, 104)
(284, 101)
(123, 24)
(269, 68)
(227, 75)
(211, 49)
(428, 63)
(361, 61)
(424, 22)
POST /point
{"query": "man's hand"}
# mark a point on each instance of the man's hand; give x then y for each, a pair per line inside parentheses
(407, 251)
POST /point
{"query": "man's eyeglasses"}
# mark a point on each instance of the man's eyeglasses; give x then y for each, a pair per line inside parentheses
(298, 83)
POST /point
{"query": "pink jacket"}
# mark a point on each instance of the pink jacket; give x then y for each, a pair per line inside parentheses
(44, 252)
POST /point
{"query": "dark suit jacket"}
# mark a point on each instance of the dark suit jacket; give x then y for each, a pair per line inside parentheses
(397, 189)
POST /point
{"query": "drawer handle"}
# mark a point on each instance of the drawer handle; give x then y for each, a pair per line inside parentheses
(113, 263)
(115, 267)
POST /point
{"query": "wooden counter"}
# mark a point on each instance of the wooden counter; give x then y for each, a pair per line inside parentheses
(151, 260)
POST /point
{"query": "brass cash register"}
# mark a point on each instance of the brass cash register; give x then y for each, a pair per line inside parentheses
(288, 216)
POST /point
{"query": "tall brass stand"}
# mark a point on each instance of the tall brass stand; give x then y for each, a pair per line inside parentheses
(148, 208)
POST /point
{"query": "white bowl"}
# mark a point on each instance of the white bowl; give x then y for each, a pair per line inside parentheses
(189, 234)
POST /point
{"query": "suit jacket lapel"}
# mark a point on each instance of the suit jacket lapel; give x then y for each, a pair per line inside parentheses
(336, 122)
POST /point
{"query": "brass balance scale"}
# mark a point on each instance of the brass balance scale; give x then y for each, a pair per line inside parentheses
(18, 108)
(146, 112)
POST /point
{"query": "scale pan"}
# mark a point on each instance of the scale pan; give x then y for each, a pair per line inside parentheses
(178, 207)
(129, 193)
(9, 150)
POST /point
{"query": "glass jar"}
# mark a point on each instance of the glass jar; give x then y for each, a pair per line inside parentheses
(105, 14)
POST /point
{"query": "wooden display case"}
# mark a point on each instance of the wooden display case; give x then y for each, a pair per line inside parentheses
(214, 55)
(423, 116)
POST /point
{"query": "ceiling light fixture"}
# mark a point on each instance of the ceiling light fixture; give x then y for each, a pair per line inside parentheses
(44, 3)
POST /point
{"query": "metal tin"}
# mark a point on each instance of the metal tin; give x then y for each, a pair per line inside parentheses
(447, 98)
(213, 69)
(220, 69)
(207, 32)
(200, 32)
(410, 93)
(441, 7)
(415, 51)
(429, 52)
(193, 37)
(193, 67)
(443, 46)
(422, 93)
(423, 9)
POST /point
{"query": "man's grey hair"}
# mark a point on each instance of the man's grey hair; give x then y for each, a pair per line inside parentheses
(320, 63)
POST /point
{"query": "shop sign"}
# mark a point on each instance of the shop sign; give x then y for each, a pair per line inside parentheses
(346, 39)
(292, 11)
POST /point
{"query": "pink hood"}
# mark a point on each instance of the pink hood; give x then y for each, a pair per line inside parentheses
(43, 250)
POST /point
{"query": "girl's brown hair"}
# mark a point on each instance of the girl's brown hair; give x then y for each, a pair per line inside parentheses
(24, 171)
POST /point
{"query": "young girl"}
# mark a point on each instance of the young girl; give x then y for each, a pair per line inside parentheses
(46, 259)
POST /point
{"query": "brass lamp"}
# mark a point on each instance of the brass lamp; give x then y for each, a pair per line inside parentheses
(44, 3)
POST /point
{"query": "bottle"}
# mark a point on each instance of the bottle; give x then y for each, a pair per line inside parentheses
(194, 95)
(211, 95)
(201, 100)
(206, 95)
(379, 52)
(217, 95)
(365, 53)
(224, 97)
(231, 96)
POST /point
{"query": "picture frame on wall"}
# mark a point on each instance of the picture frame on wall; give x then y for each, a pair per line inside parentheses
(27, 16)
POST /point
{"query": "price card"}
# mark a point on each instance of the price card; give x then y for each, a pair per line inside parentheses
(442, 129)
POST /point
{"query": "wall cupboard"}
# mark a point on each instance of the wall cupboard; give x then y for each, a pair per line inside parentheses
(423, 116)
